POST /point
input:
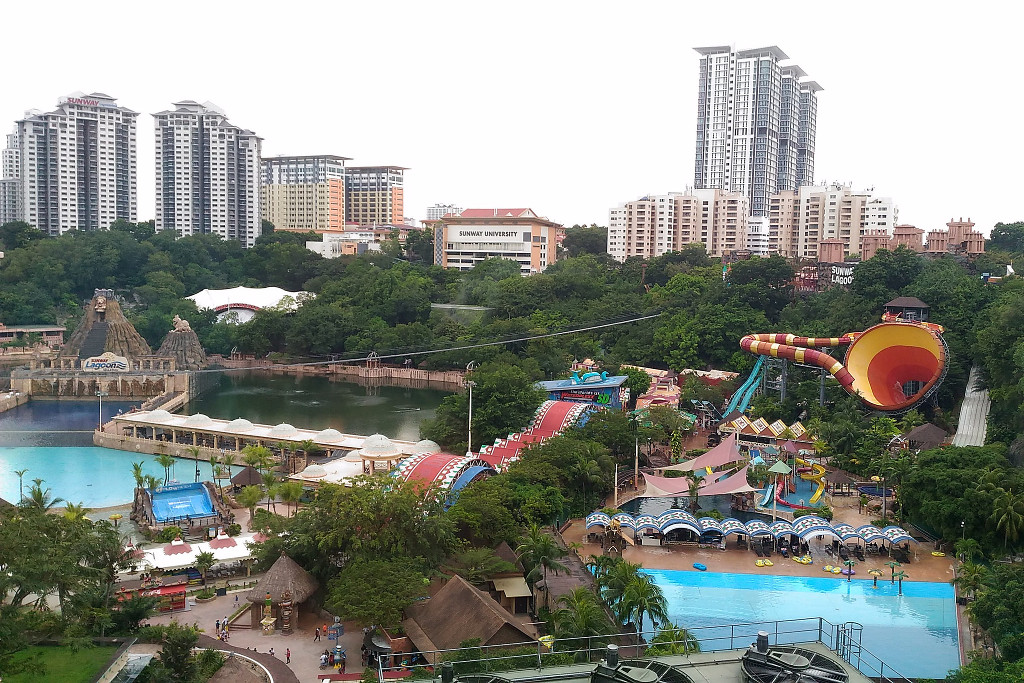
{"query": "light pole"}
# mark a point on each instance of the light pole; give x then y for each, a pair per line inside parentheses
(881, 481)
(470, 383)
(963, 531)
(100, 395)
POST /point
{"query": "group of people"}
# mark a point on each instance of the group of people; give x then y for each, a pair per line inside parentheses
(327, 659)
(222, 629)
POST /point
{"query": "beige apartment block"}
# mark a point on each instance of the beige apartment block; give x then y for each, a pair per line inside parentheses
(658, 224)
(520, 235)
(317, 207)
(798, 220)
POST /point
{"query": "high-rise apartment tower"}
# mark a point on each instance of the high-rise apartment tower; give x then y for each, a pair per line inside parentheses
(375, 195)
(75, 165)
(756, 123)
(207, 174)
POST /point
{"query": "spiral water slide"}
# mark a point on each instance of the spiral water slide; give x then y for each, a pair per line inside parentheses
(879, 362)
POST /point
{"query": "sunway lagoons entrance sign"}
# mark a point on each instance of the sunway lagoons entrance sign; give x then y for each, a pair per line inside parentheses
(106, 362)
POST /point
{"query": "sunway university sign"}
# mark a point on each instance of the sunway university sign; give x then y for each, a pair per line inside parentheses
(106, 362)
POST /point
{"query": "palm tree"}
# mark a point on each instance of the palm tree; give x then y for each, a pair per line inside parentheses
(270, 483)
(613, 585)
(21, 475)
(850, 564)
(1008, 514)
(599, 565)
(204, 561)
(694, 490)
(673, 640)
(970, 577)
(967, 549)
(643, 596)
(228, 459)
(75, 513)
(586, 471)
(215, 467)
(249, 497)
(259, 457)
(167, 462)
(541, 553)
(285, 448)
(138, 474)
(151, 482)
(892, 564)
(291, 492)
(38, 499)
(899, 576)
(580, 617)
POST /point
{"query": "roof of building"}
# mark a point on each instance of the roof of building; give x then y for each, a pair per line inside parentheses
(498, 213)
(927, 435)
(285, 575)
(302, 157)
(907, 302)
(459, 612)
(246, 297)
(603, 382)
(249, 476)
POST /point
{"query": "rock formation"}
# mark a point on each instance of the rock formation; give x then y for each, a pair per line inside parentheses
(183, 345)
(104, 328)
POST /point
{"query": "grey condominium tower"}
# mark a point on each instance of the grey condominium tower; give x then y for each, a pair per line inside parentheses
(207, 174)
(756, 123)
(72, 168)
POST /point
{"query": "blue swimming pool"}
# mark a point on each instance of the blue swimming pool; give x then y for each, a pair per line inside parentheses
(915, 633)
(96, 477)
(181, 501)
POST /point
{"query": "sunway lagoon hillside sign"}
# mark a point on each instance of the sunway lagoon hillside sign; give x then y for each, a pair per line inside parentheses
(107, 362)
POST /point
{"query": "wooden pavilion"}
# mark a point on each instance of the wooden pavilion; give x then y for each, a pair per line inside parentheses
(276, 598)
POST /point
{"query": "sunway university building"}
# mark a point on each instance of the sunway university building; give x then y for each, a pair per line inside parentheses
(520, 235)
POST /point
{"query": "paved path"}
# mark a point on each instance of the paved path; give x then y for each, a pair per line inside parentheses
(305, 651)
(973, 422)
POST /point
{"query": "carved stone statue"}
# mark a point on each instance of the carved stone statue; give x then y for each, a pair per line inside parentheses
(181, 325)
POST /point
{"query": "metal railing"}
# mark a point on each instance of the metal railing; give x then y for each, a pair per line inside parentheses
(843, 639)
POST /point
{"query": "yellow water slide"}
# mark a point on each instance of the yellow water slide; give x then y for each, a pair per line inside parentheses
(816, 475)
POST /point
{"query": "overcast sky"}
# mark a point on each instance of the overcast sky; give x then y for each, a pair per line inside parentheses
(568, 108)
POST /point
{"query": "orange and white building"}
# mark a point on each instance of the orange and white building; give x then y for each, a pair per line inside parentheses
(520, 235)
(304, 193)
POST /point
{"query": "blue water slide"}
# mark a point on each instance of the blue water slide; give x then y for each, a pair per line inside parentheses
(741, 399)
(769, 491)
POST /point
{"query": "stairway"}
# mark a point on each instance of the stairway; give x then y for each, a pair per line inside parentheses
(95, 342)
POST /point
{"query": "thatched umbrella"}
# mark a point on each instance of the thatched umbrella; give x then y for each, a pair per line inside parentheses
(249, 476)
(284, 586)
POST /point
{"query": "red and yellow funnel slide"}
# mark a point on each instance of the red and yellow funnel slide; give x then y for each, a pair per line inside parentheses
(879, 364)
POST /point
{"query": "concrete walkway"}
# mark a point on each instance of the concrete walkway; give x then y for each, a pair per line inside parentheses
(306, 651)
(973, 422)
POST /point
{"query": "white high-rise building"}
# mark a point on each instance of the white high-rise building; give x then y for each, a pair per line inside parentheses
(756, 123)
(439, 211)
(207, 174)
(657, 224)
(10, 181)
(75, 165)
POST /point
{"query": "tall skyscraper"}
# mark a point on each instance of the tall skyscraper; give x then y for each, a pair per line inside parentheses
(10, 180)
(207, 174)
(75, 165)
(304, 193)
(756, 123)
(375, 195)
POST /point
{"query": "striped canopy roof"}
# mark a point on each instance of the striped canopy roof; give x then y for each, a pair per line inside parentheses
(804, 527)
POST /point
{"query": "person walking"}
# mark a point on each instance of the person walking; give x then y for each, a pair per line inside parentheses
(316, 635)
(288, 655)
(218, 626)
(272, 652)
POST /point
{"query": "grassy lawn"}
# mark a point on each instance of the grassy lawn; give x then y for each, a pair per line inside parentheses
(60, 664)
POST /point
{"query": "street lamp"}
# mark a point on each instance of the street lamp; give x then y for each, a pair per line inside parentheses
(100, 395)
(470, 383)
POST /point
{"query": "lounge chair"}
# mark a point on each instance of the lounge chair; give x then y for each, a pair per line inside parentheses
(858, 552)
(767, 551)
(844, 554)
(758, 551)
(829, 551)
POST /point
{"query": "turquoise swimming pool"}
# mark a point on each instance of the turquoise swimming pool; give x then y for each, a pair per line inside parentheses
(915, 633)
(96, 477)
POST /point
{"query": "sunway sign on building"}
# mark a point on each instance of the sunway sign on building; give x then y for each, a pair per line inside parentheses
(475, 234)
(85, 102)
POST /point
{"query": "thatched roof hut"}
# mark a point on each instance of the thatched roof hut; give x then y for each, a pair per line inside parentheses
(460, 611)
(249, 476)
(285, 575)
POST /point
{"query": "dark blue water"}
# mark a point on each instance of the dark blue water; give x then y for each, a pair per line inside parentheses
(62, 422)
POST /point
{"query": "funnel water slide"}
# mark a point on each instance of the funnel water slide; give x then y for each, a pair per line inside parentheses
(879, 362)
